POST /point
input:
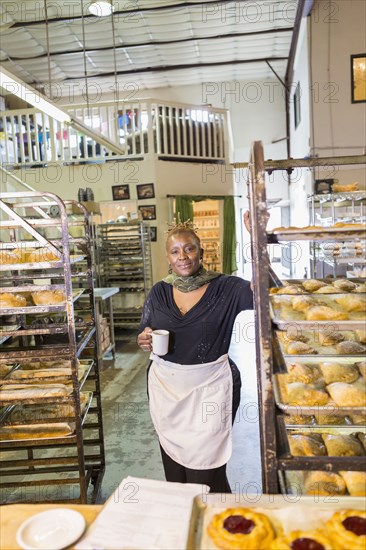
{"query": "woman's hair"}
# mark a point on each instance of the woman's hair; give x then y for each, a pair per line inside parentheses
(183, 227)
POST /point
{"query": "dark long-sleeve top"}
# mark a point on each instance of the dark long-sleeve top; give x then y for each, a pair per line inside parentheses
(203, 334)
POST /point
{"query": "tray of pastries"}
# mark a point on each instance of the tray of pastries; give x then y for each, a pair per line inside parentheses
(330, 388)
(320, 484)
(344, 311)
(9, 300)
(317, 231)
(316, 441)
(276, 522)
(28, 432)
(325, 339)
(321, 286)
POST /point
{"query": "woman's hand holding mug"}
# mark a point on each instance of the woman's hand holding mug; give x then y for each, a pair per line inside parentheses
(144, 339)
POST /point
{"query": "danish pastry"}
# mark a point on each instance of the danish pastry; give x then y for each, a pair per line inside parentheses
(342, 445)
(8, 300)
(344, 285)
(355, 482)
(298, 372)
(318, 482)
(347, 529)
(303, 394)
(291, 289)
(311, 285)
(349, 347)
(299, 348)
(330, 337)
(306, 445)
(324, 313)
(48, 297)
(347, 395)
(241, 529)
(302, 540)
(351, 302)
(328, 289)
(298, 420)
(361, 336)
(334, 372)
(362, 436)
(302, 303)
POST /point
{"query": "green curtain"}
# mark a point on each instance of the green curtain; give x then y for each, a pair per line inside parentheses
(183, 208)
(229, 239)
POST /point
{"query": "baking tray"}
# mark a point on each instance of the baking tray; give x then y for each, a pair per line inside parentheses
(299, 512)
(328, 281)
(285, 317)
(313, 341)
(316, 233)
(330, 408)
(71, 433)
(292, 485)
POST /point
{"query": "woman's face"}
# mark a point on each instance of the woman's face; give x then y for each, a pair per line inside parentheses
(183, 254)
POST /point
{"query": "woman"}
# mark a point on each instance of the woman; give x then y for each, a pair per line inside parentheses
(194, 390)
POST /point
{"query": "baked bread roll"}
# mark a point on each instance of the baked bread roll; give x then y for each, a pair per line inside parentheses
(318, 482)
(324, 313)
(291, 289)
(303, 303)
(41, 255)
(362, 437)
(289, 335)
(8, 300)
(306, 445)
(21, 392)
(330, 337)
(342, 445)
(328, 289)
(347, 530)
(48, 297)
(349, 347)
(351, 302)
(355, 483)
(35, 431)
(311, 285)
(361, 365)
(345, 187)
(299, 348)
(334, 372)
(297, 372)
(344, 284)
(327, 418)
(241, 529)
(348, 395)
(304, 394)
(302, 540)
(357, 419)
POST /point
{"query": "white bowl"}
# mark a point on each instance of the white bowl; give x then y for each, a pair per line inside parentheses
(51, 530)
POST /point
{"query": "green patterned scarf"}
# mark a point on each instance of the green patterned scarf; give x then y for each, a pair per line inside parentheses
(187, 284)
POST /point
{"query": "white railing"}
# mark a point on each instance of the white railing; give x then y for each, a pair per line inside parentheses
(138, 129)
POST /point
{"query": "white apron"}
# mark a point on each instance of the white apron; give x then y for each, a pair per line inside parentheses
(191, 409)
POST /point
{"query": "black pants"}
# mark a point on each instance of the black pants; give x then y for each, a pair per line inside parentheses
(215, 478)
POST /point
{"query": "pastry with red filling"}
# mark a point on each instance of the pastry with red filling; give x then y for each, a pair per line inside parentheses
(302, 540)
(347, 529)
(241, 529)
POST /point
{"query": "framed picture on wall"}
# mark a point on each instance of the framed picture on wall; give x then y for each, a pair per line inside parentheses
(358, 78)
(120, 192)
(153, 234)
(323, 187)
(145, 191)
(148, 212)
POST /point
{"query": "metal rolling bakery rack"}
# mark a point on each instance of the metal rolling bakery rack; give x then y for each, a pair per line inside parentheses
(125, 256)
(44, 465)
(277, 460)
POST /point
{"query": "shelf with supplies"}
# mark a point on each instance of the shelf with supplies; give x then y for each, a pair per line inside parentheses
(310, 350)
(207, 220)
(51, 430)
(124, 251)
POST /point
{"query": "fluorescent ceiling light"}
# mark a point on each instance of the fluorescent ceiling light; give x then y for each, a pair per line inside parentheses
(13, 85)
(101, 8)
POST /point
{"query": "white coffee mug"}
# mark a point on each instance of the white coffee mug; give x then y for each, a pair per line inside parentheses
(160, 341)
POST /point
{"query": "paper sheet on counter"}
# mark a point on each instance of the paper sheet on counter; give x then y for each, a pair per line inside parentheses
(143, 514)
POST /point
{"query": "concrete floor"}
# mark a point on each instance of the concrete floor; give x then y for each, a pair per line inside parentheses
(130, 441)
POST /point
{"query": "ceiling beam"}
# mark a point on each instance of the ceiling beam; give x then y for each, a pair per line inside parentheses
(167, 68)
(155, 43)
(180, 5)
